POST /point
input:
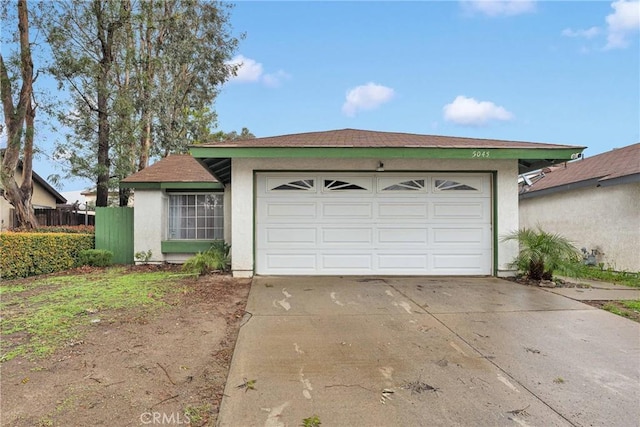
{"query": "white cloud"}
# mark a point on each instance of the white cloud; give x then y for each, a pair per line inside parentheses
(275, 79)
(622, 22)
(587, 34)
(366, 97)
(249, 70)
(500, 8)
(469, 112)
(252, 71)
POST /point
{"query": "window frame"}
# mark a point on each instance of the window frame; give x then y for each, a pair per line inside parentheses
(216, 230)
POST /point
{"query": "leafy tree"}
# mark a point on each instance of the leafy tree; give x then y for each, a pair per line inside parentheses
(541, 253)
(143, 76)
(19, 118)
(221, 136)
(83, 38)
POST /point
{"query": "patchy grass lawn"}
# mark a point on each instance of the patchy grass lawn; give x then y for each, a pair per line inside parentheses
(628, 309)
(39, 316)
(117, 346)
(625, 278)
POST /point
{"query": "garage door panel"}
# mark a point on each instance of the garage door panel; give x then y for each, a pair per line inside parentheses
(345, 262)
(469, 262)
(290, 209)
(346, 236)
(374, 224)
(402, 235)
(347, 210)
(401, 210)
(445, 210)
(398, 263)
(283, 262)
(451, 236)
(289, 235)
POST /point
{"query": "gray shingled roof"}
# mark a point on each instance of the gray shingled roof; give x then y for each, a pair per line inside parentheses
(366, 138)
(617, 163)
(173, 168)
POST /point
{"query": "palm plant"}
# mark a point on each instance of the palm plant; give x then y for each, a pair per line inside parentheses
(541, 253)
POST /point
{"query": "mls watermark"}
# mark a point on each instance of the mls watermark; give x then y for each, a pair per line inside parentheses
(162, 418)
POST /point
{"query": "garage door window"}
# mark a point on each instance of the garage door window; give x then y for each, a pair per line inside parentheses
(338, 185)
(196, 217)
(411, 185)
(449, 185)
(303, 184)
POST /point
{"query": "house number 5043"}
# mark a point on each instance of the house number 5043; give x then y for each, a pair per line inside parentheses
(478, 154)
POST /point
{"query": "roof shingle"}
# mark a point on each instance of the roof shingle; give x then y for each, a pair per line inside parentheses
(606, 166)
(173, 168)
(367, 139)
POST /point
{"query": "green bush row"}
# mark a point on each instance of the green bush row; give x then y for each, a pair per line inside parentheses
(75, 229)
(30, 254)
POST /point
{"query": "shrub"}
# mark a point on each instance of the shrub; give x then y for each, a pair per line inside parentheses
(216, 258)
(96, 257)
(73, 229)
(30, 254)
(541, 253)
(142, 256)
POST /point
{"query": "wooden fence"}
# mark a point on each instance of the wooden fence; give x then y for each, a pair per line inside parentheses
(114, 232)
(62, 216)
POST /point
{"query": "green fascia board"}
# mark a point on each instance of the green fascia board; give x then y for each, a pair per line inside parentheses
(173, 185)
(387, 152)
(185, 246)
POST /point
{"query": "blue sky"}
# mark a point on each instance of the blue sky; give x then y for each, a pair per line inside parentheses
(558, 72)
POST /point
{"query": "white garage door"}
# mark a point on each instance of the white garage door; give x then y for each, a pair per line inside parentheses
(387, 224)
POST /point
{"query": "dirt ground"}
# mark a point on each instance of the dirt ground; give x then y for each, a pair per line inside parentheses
(166, 368)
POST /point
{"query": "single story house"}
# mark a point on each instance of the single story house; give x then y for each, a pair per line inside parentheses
(595, 202)
(44, 197)
(341, 202)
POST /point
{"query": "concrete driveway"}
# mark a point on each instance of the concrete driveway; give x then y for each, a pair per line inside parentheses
(359, 351)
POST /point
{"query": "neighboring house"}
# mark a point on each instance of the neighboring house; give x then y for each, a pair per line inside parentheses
(341, 202)
(595, 202)
(91, 195)
(44, 197)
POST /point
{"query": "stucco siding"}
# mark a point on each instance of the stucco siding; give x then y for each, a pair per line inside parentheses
(602, 218)
(242, 197)
(150, 215)
(5, 214)
(149, 223)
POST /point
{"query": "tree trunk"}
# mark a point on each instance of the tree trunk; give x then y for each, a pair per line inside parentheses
(105, 35)
(536, 269)
(15, 118)
(145, 140)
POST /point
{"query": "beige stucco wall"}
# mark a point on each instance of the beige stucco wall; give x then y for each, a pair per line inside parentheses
(603, 218)
(41, 199)
(242, 198)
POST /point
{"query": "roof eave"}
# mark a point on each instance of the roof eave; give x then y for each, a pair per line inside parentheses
(587, 183)
(173, 185)
(217, 159)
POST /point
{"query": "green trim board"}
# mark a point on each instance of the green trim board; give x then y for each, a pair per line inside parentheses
(494, 219)
(173, 185)
(387, 152)
(185, 246)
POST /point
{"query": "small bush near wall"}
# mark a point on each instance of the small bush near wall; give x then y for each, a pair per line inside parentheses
(30, 254)
(96, 257)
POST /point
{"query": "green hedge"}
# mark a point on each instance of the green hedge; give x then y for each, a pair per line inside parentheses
(96, 258)
(30, 254)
